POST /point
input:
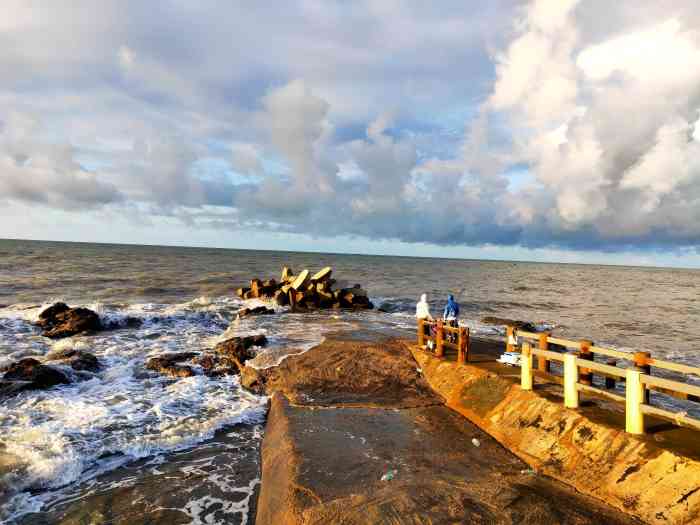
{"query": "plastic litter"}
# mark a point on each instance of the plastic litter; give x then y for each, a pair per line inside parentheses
(389, 475)
(476, 442)
(528, 471)
(419, 370)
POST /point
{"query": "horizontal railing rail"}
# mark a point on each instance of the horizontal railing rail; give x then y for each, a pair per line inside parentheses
(579, 366)
(438, 332)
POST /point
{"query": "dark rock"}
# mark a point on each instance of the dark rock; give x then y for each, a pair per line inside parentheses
(239, 348)
(520, 325)
(168, 364)
(48, 316)
(281, 298)
(216, 365)
(60, 320)
(258, 310)
(77, 359)
(40, 376)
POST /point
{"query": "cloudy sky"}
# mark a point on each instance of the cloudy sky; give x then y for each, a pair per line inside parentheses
(556, 130)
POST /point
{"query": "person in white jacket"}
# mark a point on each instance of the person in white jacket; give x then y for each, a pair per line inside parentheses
(423, 309)
(423, 312)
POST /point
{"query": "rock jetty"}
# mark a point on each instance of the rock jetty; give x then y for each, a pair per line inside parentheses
(304, 290)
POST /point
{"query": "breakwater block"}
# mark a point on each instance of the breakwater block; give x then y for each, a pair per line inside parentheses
(307, 291)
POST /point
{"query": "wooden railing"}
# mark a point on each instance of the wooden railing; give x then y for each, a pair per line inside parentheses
(441, 338)
(579, 366)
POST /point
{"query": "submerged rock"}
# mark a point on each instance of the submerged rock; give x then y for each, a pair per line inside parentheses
(34, 375)
(77, 359)
(259, 310)
(168, 364)
(60, 320)
(520, 325)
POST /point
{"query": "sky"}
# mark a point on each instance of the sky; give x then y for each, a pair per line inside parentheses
(545, 130)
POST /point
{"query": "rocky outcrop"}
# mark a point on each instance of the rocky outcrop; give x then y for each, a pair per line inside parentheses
(77, 359)
(501, 321)
(30, 374)
(307, 291)
(169, 364)
(60, 320)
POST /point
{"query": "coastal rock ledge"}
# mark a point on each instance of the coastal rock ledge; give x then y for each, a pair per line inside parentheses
(355, 435)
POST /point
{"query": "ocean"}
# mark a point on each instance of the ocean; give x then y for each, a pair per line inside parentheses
(126, 445)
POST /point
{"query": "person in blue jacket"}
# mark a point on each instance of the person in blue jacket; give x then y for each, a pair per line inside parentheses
(451, 313)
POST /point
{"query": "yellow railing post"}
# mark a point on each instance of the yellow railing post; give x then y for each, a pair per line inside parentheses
(421, 332)
(641, 362)
(439, 339)
(510, 336)
(543, 365)
(586, 375)
(462, 343)
(634, 397)
(570, 381)
(526, 367)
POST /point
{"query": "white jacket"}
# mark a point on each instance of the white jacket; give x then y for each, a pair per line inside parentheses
(422, 308)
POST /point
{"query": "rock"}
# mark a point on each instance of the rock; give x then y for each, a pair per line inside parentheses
(240, 292)
(322, 275)
(287, 274)
(281, 298)
(40, 376)
(216, 366)
(77, 359)
(520, 325)
(60, 320)
(301, 281)
(259, 310)
(239, 347)
(47, 317)
(168, 364)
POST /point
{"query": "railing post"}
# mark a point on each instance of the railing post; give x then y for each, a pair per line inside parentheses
(641, 360)
(462, 344)
(570, 381)
(610, 381)
(510, 336)
(526, 367)
(543, 365)
(634, 397)
(586, 375)
(421, 333)
(439, 339)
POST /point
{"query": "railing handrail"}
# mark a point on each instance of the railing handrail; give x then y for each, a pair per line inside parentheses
(637, 384)
(630, 356)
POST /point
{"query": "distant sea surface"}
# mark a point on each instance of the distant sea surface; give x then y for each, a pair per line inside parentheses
(129, 446)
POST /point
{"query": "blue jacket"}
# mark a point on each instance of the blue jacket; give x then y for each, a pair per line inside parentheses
(451, 308)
